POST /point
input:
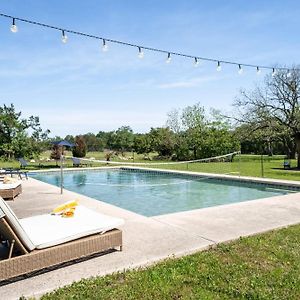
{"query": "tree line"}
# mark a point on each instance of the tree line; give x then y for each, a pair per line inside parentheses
(266, 120)
(188, 134)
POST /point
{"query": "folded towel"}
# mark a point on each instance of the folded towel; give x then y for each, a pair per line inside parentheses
(62, 208)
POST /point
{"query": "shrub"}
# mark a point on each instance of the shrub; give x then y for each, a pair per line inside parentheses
(80, 147)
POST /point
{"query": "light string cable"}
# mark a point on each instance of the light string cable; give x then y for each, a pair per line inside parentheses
(141, 48)
(157, 163)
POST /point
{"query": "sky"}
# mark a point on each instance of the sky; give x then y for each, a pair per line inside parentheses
(76, 88)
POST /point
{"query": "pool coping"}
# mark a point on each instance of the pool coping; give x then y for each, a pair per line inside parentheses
(257, 180)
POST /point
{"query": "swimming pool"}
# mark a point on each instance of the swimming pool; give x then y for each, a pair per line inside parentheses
(151, 193)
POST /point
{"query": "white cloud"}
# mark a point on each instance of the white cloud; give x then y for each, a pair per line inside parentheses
(192, 82)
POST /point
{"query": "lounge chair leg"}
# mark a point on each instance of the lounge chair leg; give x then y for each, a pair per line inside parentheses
(11, 249)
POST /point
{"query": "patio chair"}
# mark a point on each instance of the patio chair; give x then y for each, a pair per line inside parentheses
(44, 241)
(23, 162)
(77, 162)
(10, 190)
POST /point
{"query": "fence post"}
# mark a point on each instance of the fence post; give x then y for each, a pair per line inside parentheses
(240, 170)
(262, 165)
(61, 174)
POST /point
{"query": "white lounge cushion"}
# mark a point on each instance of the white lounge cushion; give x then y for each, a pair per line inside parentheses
(50, 230)
(8, 186)
(16, 226)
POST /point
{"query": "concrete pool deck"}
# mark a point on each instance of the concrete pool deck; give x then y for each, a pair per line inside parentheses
(149, 239)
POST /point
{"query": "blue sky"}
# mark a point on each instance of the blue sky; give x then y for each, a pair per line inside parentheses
(76, 88)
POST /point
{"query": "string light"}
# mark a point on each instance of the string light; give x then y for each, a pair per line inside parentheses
(258, 70)
(141, 53)
(168, 60)
(196, 62)
(104, 46)
(14, 29)
(64, 37)
(240, 70)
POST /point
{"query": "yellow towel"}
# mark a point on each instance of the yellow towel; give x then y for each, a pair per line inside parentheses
(65, 206)
(69, 212)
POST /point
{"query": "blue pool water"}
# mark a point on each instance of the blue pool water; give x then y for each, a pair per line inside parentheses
(153, 193)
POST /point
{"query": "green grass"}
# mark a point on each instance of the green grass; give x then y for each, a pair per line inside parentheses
(272, 168)
(266, 266)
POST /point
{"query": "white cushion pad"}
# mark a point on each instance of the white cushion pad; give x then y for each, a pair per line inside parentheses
(8, 186)
(50, 230)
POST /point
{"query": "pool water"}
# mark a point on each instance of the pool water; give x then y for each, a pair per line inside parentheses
(154, 193)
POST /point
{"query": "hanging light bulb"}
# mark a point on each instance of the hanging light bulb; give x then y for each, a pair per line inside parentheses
(273, 72)
(104, 46)
(168, 60)
(219, 68)
(258, 70)
(64, 37)
(240, 70)
(196, 62)
(141, 53)
(14, 27)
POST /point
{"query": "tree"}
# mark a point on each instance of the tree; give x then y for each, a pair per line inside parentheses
(122, 139)
(189, 126)
(199, 135)
(18, 136)
(194, 123)
(103, 138)
(162, 141)
(174, 121)
(273, 109)
(70, 138)
(93, 143)
(219, 136)
(142, 143)
(57, 152)
(80, 147)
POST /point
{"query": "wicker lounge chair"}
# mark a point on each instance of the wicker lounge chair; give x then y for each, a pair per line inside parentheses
(10, 190)
(30, 251)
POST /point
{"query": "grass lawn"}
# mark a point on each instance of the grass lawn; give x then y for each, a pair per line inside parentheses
(246, 166)
(266, 266)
